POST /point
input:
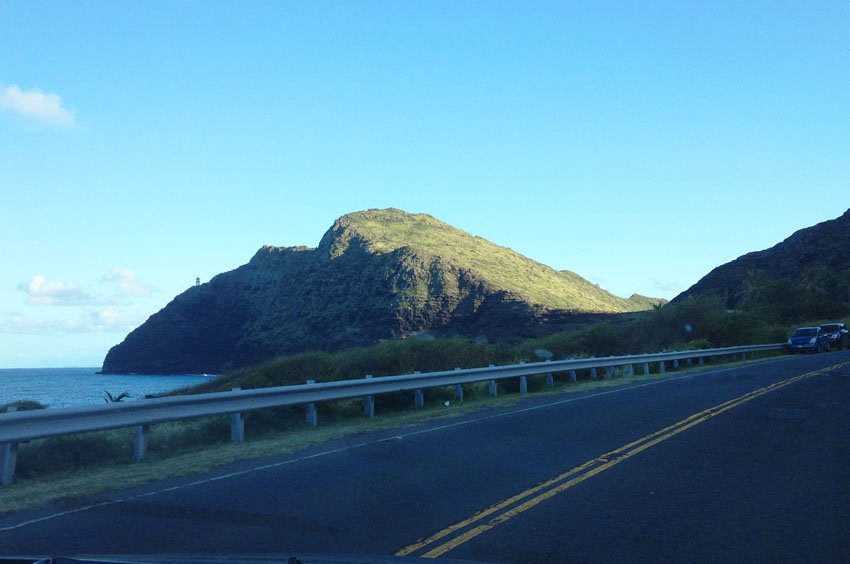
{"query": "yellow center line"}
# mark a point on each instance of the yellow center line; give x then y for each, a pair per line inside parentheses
(604, 462)
(531, 491)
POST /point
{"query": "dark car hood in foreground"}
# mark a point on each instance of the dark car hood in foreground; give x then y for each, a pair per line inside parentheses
(222, 559)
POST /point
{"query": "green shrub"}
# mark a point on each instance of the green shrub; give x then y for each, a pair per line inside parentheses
(22, 405)
(73, 452)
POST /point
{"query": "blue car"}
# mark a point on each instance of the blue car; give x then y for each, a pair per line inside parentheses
(813, 339)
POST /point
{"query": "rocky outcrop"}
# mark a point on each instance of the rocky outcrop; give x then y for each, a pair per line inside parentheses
(826, 244)
(381, 274)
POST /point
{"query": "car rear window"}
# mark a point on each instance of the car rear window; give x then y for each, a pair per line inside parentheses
(808, 332)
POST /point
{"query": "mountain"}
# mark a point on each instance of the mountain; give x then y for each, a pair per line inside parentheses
(376, 274)
(822, 246)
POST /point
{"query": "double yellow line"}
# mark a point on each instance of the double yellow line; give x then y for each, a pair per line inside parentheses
(455, 535)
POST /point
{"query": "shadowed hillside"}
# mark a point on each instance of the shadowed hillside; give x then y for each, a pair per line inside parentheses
(806, 275)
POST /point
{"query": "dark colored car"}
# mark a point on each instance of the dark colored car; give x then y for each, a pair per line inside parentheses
(838, 335)
(812, 339)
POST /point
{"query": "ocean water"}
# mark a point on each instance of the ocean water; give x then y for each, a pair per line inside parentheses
(64, 387)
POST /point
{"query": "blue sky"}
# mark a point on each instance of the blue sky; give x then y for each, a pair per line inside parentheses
(639, 144)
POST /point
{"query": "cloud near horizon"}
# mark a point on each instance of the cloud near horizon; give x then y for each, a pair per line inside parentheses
(104, 320)
(41, 291)
(35, 105)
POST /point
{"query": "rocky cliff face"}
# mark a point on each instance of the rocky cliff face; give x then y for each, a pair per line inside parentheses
(826, 244)
(380, 274)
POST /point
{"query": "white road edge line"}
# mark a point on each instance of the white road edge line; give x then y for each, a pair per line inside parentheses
(373, 442)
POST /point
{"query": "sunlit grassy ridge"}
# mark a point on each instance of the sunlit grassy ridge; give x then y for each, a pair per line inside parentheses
(384, 231)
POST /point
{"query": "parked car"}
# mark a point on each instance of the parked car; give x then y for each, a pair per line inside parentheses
(839, 336)
(812, 339)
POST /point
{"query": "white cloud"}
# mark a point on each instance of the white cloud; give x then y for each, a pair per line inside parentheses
(44, 292)
(105, 320)
(42, 108)
(19, 325)
(41, 291)
(127, 283)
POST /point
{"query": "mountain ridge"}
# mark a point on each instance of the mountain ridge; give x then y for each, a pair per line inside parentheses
(376, 274)
(825, 244)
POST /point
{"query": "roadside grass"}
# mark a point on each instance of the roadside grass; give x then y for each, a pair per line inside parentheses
(59, 470)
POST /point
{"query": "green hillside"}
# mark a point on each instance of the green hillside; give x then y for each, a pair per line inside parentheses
(385, 231)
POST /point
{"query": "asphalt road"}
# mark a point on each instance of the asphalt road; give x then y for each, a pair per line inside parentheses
(748, 464)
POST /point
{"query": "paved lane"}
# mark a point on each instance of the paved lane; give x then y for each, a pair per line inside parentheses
(727, 488)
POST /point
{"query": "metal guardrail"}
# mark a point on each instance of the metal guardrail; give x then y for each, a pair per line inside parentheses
(19, 427)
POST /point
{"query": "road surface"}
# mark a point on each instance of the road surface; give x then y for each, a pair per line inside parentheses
(747, 464)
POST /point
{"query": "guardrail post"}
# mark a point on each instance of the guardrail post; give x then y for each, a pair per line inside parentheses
(237, 428)
(550, 380)
(8, 459)
(689, 361)
(312, 413)
(661, 367)
(369, 402)
(523, 385)
(140, 442)
(593, 373)
(675, 363)
(419, 398)
(630, 370)
(573, 376)
(493, 389)
(645, 368)
(458, 389)
(701, 361)
(237, 425)
(612, 372)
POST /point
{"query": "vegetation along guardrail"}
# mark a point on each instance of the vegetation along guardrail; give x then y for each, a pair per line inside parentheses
(24, 426)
